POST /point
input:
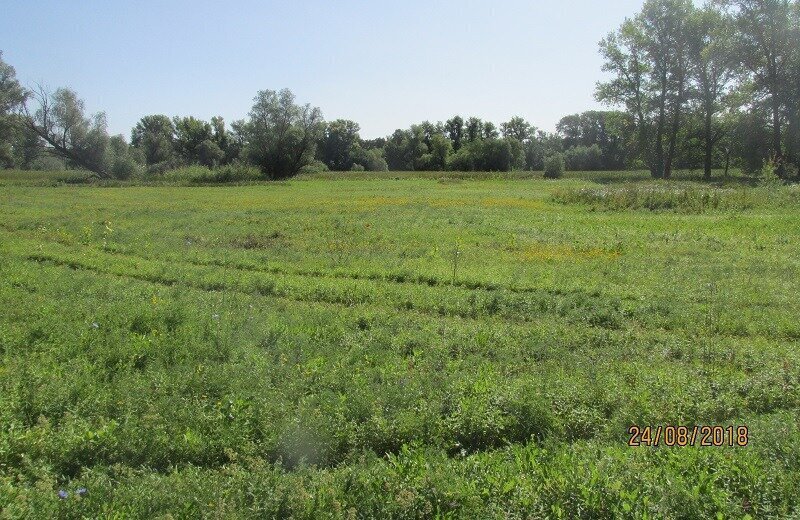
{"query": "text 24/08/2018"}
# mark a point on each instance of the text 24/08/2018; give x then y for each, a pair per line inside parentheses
(703, 436)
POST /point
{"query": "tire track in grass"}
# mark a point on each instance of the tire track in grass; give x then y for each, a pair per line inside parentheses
(404, 278)
(455, 301)
(577, 307)
(520, 305)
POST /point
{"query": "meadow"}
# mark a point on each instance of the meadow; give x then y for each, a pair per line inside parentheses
(397, 345)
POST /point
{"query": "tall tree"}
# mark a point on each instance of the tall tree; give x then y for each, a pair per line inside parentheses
(648, 58)
(793, 104)
(404, 148)
(766, 43)
(675, 16)
(59, 120)
(609, 130)
(12, 96)
(338, 143)
(473, 129)
(429, 130)
(455, 131)
(542, 145)
(490, 130)
(27, 146)
(221, 139)
(517, 128)
(713, 68)
(190, 134)
(436, 158)
(282, 135)
(154, 135)
(237, 140)
(625, 58)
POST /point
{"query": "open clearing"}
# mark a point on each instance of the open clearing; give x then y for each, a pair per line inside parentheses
(397, 347)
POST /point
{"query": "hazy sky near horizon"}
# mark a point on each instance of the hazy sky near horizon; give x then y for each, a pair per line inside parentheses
(384, 65)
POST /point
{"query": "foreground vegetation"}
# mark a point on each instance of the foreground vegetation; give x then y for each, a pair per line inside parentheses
(397, 346)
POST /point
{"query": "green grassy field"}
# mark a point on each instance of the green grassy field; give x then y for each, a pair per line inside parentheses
(397, 346)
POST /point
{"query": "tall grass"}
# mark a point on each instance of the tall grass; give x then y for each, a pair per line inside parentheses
(660, 198)
(235, 173)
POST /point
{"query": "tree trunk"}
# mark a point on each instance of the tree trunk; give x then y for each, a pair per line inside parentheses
(59, 149)
(709, 147)
(657, 166)
(727, 160)
(673, 139)
(793, 138)
(659, 152)
(676, 123)
(776, 135)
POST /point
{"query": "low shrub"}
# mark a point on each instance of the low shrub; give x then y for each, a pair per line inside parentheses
(584, 158)
(488, 155)
(314, 167)
(769, 174)
(372, 160)
(124, 168)
(554, 166)
(162, 167)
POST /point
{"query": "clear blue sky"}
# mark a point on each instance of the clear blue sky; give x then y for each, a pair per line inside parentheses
(385, 65)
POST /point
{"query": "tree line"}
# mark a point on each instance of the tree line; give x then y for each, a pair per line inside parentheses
(716, 86)
(707, 85)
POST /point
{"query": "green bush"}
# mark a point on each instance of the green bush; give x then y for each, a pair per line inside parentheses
(490, 155)
(769, 174)
(792, 171)
(124, 167)
(554, 166)
(584, 158)
(314, 167)
(160, 168)
(461, 161)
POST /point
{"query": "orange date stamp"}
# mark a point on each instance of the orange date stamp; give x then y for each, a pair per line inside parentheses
(683, 436)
